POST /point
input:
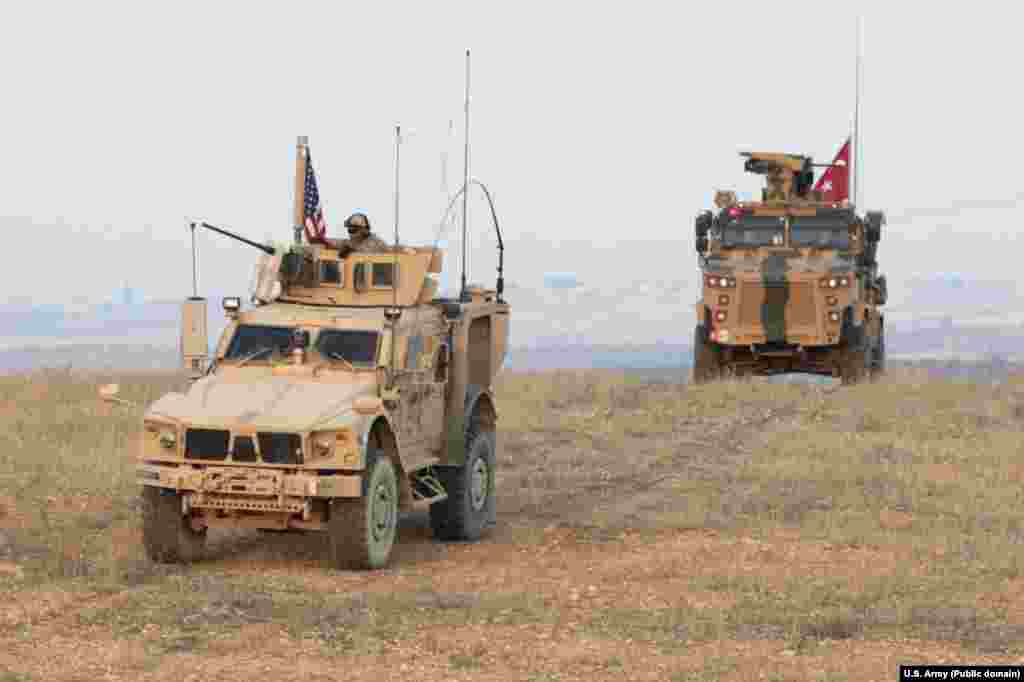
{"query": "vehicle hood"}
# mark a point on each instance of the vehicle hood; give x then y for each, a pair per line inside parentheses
(264, 403)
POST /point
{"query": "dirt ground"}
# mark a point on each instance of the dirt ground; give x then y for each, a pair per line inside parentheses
(645, 532)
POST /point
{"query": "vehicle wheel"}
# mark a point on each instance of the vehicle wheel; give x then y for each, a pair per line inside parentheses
(878, 361)
(167, 534)
(706, 358)
(470, 505)
(853, 364)
(361, 532)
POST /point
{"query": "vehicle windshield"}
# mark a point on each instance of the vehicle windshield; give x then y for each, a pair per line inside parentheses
(357, 347)
(258, 342)
(251, 339)
(753, 230)
(820, 231)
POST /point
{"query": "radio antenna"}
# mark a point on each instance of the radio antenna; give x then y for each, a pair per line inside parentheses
(394, 272)
(465, 185)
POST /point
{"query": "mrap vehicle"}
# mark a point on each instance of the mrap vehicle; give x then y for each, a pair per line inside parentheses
(350, 391)
(789, 283)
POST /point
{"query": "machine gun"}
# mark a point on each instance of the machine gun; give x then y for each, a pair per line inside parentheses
(279, 265)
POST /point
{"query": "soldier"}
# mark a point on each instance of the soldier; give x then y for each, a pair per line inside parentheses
(360, 239)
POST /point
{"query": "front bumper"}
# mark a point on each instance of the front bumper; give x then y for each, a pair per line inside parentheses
(249, 488)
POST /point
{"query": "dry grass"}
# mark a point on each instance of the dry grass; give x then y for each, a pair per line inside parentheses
(809, 514)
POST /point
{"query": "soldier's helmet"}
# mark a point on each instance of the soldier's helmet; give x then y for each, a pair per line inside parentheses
(356, 223)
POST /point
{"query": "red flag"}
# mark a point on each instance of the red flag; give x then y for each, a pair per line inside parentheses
(834, 183)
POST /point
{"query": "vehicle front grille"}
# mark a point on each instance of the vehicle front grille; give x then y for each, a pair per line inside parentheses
(281, 448)
(206, 444)
(212, 444)
(794, 299)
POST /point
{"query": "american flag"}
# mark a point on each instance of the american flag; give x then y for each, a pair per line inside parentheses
(316, 228)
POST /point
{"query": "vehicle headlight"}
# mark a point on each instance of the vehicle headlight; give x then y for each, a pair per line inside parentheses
(329, 443)
(164, 436)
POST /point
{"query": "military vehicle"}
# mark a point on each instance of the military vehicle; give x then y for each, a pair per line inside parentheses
(790, 282)
(349, 391)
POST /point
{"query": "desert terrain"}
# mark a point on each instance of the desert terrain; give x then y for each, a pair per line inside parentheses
(647, 530)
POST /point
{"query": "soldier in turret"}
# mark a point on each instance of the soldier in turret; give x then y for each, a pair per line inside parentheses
(360, 238)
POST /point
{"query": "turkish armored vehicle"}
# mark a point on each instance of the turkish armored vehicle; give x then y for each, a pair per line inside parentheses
(348, 392)
(789, 283)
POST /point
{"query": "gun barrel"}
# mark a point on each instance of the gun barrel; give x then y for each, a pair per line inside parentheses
(269, 250)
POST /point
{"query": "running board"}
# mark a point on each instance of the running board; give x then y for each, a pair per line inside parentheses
(426, 490)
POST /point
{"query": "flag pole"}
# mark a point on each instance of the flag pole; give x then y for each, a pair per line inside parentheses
(855, 150)
(298, 214)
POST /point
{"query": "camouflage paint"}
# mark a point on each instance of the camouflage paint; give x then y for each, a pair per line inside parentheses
(776, 296)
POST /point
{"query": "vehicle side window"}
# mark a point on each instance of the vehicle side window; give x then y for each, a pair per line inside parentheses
(384, 275)
(330, 272)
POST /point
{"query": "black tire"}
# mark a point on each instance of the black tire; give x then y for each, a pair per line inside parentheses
(854, 362)
(878, 361)
(361, 532)
(167, 534)
(470, 506)
(707, 364)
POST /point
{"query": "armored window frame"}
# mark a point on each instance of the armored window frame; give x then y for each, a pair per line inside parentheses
(243, 335)
(821, 224)
(748, 225)
(336, 267)
(377, 271)
(326, 335)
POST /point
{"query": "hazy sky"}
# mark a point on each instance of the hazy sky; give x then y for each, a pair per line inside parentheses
(592, 122)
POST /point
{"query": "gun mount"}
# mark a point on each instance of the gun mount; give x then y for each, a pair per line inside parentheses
(788, 176)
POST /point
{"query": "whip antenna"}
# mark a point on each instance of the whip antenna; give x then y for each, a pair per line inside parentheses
(394, 274)
(465, 186)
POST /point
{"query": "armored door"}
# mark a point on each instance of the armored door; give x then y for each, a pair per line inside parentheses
(420, 411)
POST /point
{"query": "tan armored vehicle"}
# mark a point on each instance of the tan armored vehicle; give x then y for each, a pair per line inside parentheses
(790, 283)
(348, 393)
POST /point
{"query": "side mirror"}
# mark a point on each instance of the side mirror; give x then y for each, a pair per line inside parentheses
(875, 221)
(703, 224)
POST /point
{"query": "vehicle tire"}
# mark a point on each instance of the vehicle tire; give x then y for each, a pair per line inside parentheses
(361, 532)
(470, 506)
(878, 361)
(853, 363)
(167, 534)
(706, 358)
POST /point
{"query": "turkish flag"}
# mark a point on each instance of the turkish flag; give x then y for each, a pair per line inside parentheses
(834, 183)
